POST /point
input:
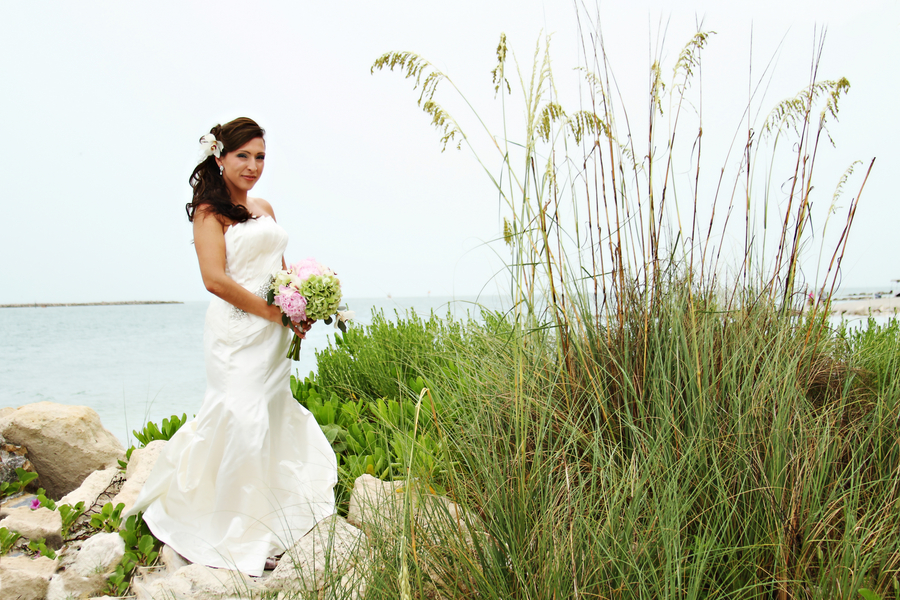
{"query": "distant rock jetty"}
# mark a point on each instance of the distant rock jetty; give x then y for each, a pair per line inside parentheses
(50, 305)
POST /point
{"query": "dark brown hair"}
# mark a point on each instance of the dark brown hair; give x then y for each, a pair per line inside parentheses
(209, 186)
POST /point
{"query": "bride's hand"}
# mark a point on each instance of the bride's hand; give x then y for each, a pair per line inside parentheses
(302, 327)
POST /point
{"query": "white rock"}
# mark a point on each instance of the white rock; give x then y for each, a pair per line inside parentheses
(65, 443)
(444, 521)
(87, 575)
(40, 523)
(142, 460)
(381, 508)
(22, 578)
(331, 552)
(375, 502)
(171, 559)
(6, 410)
(139, 467)
(91, 488)
(196, 582)
(100, 553)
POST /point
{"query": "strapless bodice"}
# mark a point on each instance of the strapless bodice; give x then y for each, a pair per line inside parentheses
(253, 253)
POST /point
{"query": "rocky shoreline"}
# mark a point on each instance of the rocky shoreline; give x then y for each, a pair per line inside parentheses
(78, 461)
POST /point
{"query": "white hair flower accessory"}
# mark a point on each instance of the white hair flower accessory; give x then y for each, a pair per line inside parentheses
(210, 146)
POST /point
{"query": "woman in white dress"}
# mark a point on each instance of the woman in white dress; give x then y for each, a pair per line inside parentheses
(253, 472)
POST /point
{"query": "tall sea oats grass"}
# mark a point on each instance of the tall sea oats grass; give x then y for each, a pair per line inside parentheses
(657, 416)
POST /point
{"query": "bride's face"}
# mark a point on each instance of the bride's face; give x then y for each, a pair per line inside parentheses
(244, 166)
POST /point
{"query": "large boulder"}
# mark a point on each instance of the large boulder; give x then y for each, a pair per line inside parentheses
(139, 467)
(23, 578)
(86, 576)
(65, 443)
(334, 556)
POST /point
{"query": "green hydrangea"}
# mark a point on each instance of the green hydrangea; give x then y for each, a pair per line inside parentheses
(323, 296)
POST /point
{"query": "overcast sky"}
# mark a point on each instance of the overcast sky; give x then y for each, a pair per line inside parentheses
(103, 104)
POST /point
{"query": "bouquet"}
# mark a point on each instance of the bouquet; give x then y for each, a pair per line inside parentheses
(308, 291)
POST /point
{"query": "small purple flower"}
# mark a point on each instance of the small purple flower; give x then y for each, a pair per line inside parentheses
(35, 504)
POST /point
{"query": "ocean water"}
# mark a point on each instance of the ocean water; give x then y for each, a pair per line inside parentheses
(134, 363)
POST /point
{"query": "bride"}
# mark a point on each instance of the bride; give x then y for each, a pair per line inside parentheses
(253, 472)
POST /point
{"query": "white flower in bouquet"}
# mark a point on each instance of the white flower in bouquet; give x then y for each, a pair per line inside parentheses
(308, 291)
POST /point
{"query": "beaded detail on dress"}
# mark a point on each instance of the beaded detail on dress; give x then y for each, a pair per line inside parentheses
(238, 314)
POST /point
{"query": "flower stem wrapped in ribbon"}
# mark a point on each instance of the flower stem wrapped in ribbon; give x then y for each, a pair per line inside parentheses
(308, 291)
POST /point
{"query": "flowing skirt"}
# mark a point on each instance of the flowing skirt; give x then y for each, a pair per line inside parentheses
(253, 472)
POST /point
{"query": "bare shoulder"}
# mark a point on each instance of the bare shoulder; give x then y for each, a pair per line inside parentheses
(206, 217)
(262, 207)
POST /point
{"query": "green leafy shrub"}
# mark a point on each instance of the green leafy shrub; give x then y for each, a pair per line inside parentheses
(141, 549)
(109, 518)
(123, 464)
(40, 546)
(367, 390)
(7, 539)
(8, 488)
(377, 360)
(44, 501)
(152, 432)
(69, 514)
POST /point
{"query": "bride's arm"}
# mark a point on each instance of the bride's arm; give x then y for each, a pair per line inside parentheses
(209, 242)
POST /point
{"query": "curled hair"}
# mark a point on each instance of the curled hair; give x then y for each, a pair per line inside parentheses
(209, 186)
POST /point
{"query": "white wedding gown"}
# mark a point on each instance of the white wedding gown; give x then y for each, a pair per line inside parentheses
(253, 472)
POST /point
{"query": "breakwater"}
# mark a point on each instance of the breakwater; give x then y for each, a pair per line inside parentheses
(124, 303)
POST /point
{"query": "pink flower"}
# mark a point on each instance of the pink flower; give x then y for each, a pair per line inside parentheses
(306, 267)
(291, 303)
(35, 504)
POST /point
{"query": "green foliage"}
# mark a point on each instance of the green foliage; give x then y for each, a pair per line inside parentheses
(7, 539)
(69, 514)
(109, 518)
(378, 360)
(41, 548)
(123, 464)
(703, 456)
(152, 432)
(426, 77)
(8, 488)
(141, 549)
(365, 395)
(635, 427)
(876, 350)
(44, 500)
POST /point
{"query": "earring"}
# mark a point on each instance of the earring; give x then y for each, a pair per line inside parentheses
(221, 169)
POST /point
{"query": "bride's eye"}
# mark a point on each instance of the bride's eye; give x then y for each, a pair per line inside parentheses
(242, 155)
(261, 157)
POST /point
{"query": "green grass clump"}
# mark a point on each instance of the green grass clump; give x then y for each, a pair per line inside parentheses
(648, 421)
(712, 455)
